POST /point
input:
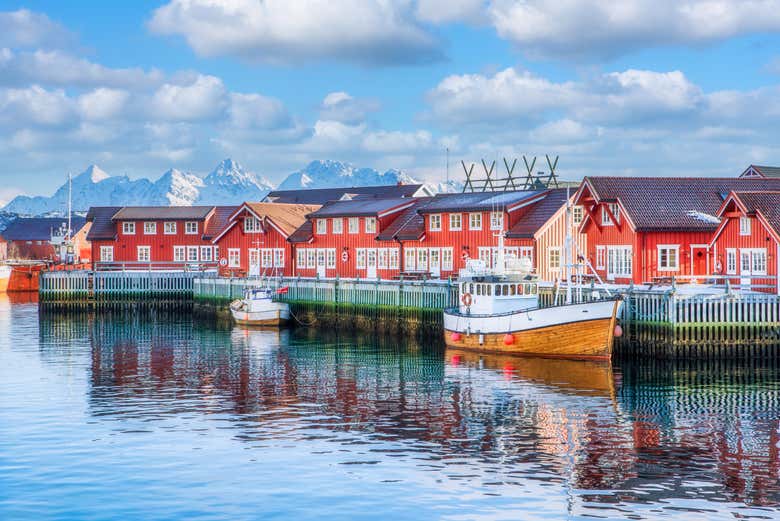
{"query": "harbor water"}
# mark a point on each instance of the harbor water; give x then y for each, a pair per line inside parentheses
(150, 413)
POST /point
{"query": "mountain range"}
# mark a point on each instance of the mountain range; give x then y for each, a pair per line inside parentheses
(228, 183)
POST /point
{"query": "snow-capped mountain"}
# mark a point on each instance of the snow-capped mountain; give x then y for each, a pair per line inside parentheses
(229, 183)
(335, 174)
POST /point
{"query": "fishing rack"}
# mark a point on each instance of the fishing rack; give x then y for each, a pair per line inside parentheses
(489, 180)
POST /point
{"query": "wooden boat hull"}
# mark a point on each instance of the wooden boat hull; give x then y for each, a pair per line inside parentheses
(277, 314)
(549, 332)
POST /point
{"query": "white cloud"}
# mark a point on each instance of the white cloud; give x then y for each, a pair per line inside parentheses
(102, 103)
(393, 142)
(442, 11)
(561, 131)
(204, 98)
(24, 28)
(35, 105)
(605, 28)
(340, 106)
(256, 111)
(368, 32)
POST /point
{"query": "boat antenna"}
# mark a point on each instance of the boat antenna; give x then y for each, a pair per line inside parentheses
(70, 204)
(567, 247)
(447, 167)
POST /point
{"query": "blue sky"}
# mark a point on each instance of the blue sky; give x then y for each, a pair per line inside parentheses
(639, 87)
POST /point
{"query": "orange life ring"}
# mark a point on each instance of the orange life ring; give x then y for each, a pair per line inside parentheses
(344, 256)
(466, 299)
(465, 256)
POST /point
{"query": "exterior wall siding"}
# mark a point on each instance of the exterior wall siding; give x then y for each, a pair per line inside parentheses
(758, 239)
(161, 245)
(262, 244)
(553, 235)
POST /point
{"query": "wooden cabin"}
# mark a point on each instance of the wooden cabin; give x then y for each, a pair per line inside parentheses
(41, 238)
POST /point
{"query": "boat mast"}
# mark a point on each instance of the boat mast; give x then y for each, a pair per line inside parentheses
(70, 205)
(567, 248)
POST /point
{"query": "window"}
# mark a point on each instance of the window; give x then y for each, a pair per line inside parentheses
(278, 257)
(392, 261)
(205, 254)
(311, 258)
(128, 228)
(668, 257)
(192, 254)
(150, 228)
(526, 251)
(744, 225)
(601, 257)
(322, 226)
(434, 259)
(360, 259)
(169, 228)
(475, 221)
(178, 254)
(456, 221)
(267, 258)
(191, 227)
(332, 257)
(434, 222)
(496, 220)
(371, 258)
(382, 259)
(144, 253)
(731, 261)
(422, 259)
(410, 257)
(615, 209)
(251, 225)
(106, 254)
(577, 214)
(338, 225)
(758, 261)
(554, 258)
(619, 260)
(446, 259)
(370, 224)
(234, 257)
(484, 256)
(300, 256)
(354, 224)
(216, 252)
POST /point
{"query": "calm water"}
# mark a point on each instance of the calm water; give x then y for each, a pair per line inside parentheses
(149, 415)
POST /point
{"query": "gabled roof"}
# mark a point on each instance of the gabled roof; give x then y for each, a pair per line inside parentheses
(102, 226)
(285, 217)
(218, 221)
(479, 201)
(761, 171)
(323, 195)
(152, 213)
(409, 225)
(539, 213)
(39, 228)
(766, 204)
(303, 233)
(670, 203)
(365, 207)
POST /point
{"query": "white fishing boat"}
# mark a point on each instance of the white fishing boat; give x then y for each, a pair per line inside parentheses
(5, 277)
(258, 308)
(499, 311)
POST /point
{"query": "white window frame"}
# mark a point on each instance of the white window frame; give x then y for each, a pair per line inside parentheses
(410, 259)
(422, 259)
(321, 226)
(279, 257)
(206, 254)
(496, 220)
(485, 255)
(434, 222)
(456, 227)
(731, 261)
(353, 225)
(745, 226)
(179, 254)
(475, 221)
(601, 257)
(147, 257)
(755, 253)
(128, 228)
(300, 256)
(605, 219)
(668, 248)
(554, 258)
(192, 254)
(191, 227)
(169, 228)
(446, 259)
(622, 258)
(338, 225)
(577, 214)
(150, 228)
(370, 224)
(360, 258)
(106, 254)
(392, 258)
(331, 258)
(252, 224)
(381, 258)
(234, 257)
(311, 258)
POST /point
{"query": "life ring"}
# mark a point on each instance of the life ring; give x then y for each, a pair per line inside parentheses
(465, 256)
(719, 268)
(344, 256)
(223, 262)
(466, 299)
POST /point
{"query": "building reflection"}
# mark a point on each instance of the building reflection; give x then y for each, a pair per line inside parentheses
(652, 430)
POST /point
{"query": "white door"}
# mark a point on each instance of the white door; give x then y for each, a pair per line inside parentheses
(321, 263)
(254, 262)
(434, 262)
(744, 269)
(371, 264)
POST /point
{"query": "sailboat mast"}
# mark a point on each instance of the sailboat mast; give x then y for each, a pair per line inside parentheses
(70, 203)
(567, 247)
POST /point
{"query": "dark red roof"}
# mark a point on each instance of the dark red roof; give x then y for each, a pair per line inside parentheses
(409, 225)
(140, 213)
(478, 201)
(39, 228)
(538, 214)
(218, 221)
(303, 233)
(324, 195)
(672, 203)
(102, 226)
(360, 207)
(768, 203)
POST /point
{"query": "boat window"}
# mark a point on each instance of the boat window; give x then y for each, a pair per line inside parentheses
(488, 289)
(512, 290)
(520, 289)
(479, 289)
(533, 289)
(506, 289)
(471, 288)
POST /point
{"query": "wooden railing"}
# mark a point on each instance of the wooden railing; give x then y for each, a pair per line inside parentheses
(156, 266)
(104, 286)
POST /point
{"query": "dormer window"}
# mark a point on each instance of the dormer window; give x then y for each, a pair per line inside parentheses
(322, 226)
(496, 220)
(252, 225)
(605, 219)
(744, 225)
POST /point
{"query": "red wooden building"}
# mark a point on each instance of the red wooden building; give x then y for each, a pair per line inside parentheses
(253, 240)
(640, 229)
(39, 238)
(155, 236)
(747, 242)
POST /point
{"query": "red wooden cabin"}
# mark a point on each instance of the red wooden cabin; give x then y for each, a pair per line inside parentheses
(253, 240)
(641, 229)
(155, 236)
(747, 242)
(39, 238)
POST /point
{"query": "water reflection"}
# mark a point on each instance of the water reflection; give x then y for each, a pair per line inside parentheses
(665, 435)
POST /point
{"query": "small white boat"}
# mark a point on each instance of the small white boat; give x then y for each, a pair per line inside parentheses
(5, 277)
(258, 308)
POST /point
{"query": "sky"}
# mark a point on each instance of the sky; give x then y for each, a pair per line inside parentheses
(636, 87)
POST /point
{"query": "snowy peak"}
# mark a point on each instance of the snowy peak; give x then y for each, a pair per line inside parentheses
(336, 174)
(229, 183)
(94, 173)
(177, 188)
